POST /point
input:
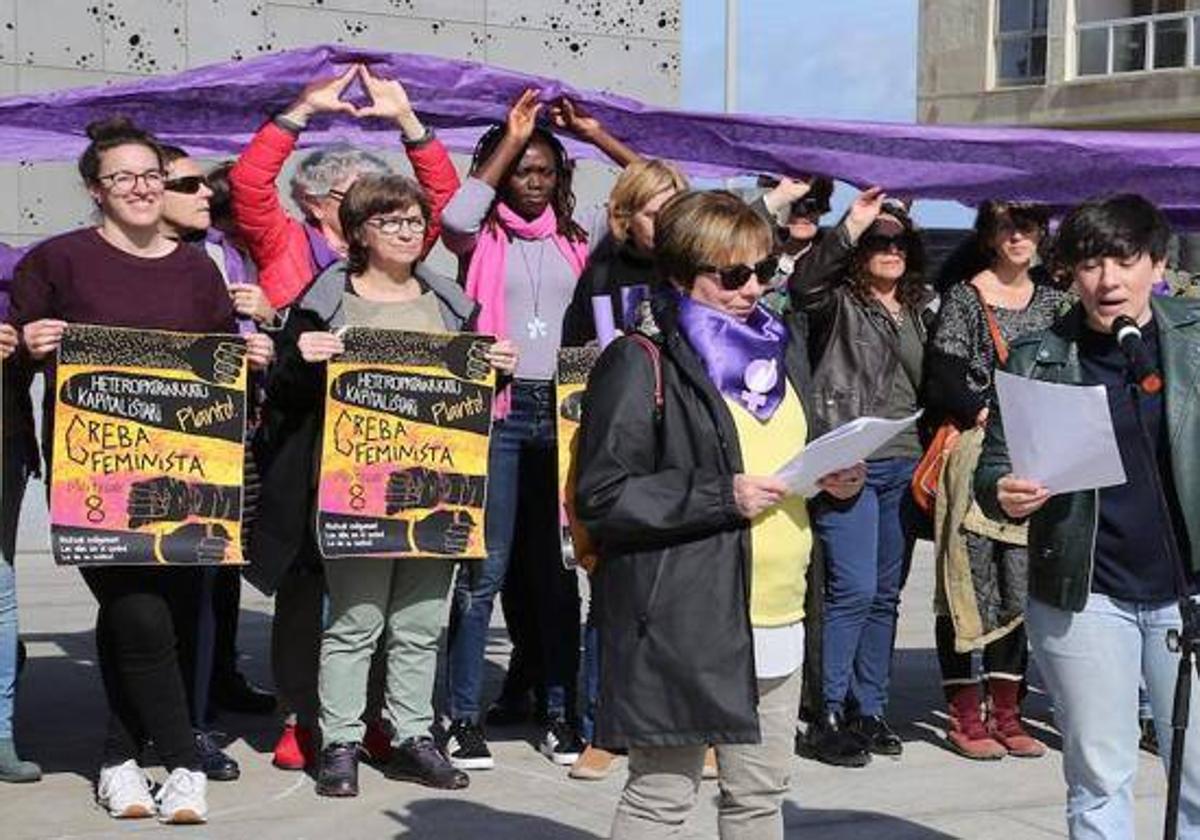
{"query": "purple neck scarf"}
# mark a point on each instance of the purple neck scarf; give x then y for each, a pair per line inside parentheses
(744, 359)
(235, 272)
(322, 252)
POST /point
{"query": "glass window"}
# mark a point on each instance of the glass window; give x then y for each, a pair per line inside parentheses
(1041, 13)
(1093, 52)
(1170, 43)
(1016, 60)
(1129, 48)
(1016, 15)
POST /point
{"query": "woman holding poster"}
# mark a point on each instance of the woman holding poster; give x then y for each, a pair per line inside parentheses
(380, 285)
(702, 551)
(125, 273)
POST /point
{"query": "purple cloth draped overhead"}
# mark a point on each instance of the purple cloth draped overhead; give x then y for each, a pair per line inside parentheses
(214, 110)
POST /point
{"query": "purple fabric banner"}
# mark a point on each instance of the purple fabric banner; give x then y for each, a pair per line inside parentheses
(214, 110)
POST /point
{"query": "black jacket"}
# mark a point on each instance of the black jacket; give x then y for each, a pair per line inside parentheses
(853, 344)
(610, 268)
(673, 583)
(286, 446)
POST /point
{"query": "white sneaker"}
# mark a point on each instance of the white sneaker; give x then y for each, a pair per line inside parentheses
(181, 799)
(124, 791)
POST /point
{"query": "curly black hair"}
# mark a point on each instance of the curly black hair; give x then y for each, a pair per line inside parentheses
(562, 200)
(912, 284)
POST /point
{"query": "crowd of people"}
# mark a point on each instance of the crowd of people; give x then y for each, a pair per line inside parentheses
(732, 622)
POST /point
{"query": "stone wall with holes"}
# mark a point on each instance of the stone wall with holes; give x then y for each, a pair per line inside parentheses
(630, 46)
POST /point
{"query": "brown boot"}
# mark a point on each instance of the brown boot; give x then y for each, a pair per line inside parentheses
(592, 765)
(1005, 724)
(967, 733)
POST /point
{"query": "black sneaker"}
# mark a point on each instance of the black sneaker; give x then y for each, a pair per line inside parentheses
(420, 760)
(217, 765)
(338, 775)
(466, 746)
(1149, 736)
(561, 743)
(876, 735)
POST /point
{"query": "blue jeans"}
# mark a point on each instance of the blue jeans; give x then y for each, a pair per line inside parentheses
(591, 674)
(868, 544)
(523, 440)
(16, 475)
(1093, 662)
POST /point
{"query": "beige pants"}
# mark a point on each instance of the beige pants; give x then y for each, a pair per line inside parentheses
(754, 778)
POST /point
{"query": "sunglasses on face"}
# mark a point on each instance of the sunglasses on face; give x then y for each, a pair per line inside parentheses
(187, 184)
(879, 242)
(734, 277)
(808, 208)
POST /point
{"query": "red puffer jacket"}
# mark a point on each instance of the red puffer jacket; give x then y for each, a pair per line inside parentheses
(279, 244)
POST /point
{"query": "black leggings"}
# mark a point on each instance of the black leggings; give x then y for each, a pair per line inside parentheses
(1008, 656)
(139, 646)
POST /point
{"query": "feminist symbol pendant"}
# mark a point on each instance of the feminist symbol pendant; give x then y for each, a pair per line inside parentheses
(536, 327)
(760, 377)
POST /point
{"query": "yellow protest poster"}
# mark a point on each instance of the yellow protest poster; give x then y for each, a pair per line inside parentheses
(404, 448)
(148, 448)
(574, 366)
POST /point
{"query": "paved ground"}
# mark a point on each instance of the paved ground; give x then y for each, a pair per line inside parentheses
(927, 794)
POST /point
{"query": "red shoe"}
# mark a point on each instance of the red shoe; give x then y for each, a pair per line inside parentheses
(378, 742)
(967, 733)
(295, 749)
(1006, 726)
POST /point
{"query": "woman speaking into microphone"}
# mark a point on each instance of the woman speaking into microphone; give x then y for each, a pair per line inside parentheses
(1108, 568)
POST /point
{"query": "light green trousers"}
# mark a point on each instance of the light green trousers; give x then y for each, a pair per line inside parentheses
(368, 596)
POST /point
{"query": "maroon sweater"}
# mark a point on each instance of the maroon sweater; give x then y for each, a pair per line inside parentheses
(81, 279)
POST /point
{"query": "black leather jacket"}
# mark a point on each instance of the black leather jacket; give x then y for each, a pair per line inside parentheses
(853, 346)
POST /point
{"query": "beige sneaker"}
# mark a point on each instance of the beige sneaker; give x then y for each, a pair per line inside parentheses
(710, 764)
(592, 765)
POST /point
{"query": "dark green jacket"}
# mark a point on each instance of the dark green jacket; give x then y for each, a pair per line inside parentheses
(1062, 534)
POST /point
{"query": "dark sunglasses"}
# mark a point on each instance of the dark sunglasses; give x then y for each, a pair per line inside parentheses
(188, 184)
(874, 242)
(808, 208)
(734, 277)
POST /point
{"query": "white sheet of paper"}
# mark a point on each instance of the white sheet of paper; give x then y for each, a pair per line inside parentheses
(1060, 436)
(839, 449)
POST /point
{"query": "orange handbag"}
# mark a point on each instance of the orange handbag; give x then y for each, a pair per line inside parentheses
(929, 468)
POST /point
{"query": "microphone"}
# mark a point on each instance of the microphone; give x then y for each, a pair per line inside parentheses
(1129, 338)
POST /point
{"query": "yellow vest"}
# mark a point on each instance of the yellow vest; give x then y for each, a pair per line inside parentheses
(780, 538)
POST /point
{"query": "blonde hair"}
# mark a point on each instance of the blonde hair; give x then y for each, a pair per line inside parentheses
(713, 229)
(639, 182)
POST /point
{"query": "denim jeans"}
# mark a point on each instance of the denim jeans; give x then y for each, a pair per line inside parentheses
(1093, 663)
(868, 543)
(16, 476)
(591, 674)
(522, 441)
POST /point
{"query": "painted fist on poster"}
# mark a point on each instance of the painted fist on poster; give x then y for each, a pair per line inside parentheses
(443, 532)
(467, 357)
(195, 543)
(421, 487)
(217, 360)
(572, 407)
(166, 499)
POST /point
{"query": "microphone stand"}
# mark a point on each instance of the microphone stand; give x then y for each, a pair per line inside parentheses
(1185, 641)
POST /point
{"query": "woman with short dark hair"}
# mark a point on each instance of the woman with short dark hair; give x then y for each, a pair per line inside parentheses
(381, 284)
(702, 551)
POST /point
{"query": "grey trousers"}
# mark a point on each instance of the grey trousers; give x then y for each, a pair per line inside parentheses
(753, 778)
(408, 598)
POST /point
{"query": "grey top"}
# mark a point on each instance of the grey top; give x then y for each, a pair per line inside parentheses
(418, 315)
(902, 401)
(538, 281)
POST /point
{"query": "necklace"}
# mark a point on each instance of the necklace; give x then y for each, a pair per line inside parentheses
(535, 326)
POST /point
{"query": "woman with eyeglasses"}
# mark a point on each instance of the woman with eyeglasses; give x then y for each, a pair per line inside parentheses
(1008, 297)
(868, 332)
(702, 551)
(382, 284)
(124, 272)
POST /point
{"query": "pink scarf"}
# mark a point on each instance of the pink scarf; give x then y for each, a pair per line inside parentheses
(488, 269)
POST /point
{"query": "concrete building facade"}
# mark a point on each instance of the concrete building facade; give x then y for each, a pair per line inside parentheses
(1060, 63)
(630, 46)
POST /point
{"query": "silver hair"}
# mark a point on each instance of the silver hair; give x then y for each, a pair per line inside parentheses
(319, 171)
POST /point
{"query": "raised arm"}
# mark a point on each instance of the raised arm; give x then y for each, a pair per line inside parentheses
(569, 117)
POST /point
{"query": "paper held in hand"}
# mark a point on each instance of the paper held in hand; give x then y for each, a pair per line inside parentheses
(840, 449)
(1060, 436)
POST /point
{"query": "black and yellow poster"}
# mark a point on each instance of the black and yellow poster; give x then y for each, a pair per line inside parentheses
(404, 449)
(148, 448)
(574, 366)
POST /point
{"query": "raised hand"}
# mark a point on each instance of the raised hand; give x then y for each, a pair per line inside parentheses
(864, 211)
(784, 193)
(443, 532)
(389, 101)
(522, 116)
(324, 96)
(568, 116)
(162, 499)
(413, 487)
